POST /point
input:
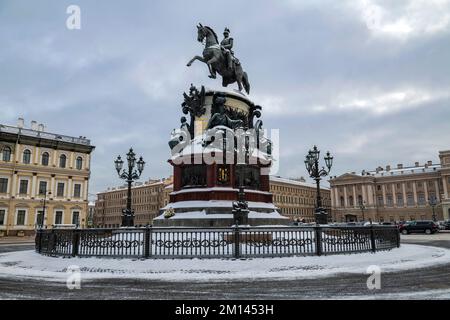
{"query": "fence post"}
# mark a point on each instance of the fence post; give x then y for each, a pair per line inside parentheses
(51, 243)
(39, 240)
(237, 246)
(75, 242)
(398, 237)
(372, 239)
(147, 236)
(318, 230)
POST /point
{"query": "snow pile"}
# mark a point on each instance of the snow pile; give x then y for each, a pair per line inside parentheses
(31, 264)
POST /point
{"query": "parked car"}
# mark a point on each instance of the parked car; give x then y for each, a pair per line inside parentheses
(441, 225)
(447, 225)
(423, 226)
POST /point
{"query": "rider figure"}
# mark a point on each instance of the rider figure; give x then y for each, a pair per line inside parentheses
(226, 45)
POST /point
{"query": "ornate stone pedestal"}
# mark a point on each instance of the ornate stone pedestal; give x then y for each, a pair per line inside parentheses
(221, 149)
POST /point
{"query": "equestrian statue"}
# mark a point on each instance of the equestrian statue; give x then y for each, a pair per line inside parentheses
(220, 58)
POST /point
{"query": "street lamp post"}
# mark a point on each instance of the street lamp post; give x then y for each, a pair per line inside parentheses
(433, 202)
(362, 207)
(42, 222)
(130, 176)
(312, 166)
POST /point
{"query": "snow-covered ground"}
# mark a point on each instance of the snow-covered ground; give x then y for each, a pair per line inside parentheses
(30, 264)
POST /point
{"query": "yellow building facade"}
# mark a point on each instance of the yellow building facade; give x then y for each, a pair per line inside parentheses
(296, 199)
(44, 180)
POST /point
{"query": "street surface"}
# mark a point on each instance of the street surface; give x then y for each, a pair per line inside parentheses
(406, 284)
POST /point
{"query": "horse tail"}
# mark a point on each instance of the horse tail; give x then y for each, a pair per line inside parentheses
(245, 82)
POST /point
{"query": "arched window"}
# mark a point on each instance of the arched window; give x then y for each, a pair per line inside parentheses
(45, 159)
(26, 156)
(350, 201)
(6, 154)
(79, 163)
(62, 161)
(342, 202)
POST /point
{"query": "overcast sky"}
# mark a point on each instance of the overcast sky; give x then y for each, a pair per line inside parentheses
(368, 80)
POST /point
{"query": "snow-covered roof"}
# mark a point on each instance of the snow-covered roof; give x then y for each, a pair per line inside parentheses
(402, 171)
(295, 182)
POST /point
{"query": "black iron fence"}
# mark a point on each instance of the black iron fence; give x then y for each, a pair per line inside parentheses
(233, 242)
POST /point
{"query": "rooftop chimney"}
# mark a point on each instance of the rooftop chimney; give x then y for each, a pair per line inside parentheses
(388, 167)
(40, 127)
(33, 125)
(416, 163)
(430, 163)
(20, 123)
(400, 166)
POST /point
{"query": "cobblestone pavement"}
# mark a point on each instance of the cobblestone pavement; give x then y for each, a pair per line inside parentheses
(341, 286)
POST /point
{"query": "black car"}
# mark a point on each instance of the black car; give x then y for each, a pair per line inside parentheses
(447, 225)
(425, 226)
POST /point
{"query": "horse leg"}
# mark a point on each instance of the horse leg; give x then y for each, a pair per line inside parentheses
(210, 62)
(212, 72)
(199, 58)
(238, 76)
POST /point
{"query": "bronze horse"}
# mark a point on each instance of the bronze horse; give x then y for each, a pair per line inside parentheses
(214, 57)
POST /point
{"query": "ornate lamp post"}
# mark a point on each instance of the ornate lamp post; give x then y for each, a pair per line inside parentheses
(312, 166)
(43, 201)
(362, 207)
(433, 202)
(129, 175)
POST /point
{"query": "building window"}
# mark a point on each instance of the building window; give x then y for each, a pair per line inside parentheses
(350, 201)
(40, 218)
(400, 200)
(42, 188)
(58, 217)
(23, 187)
(77, 190)
(21, 217)
(389, 201)
(76, 218)
(3, 185)
(360, 200)
(26, 156)
(60, 189)
(2, 216)
(6, 154)
(79, 163)
(45, 159)
(379, 188)
(380, 201)
(421, 199)
(410, 200)
(62, 161)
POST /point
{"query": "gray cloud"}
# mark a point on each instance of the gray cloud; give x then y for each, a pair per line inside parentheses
(368, 80)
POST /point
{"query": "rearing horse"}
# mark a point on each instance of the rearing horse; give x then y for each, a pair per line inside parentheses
(214, 57)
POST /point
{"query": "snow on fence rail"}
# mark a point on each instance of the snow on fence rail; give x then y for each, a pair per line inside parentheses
(232, 242)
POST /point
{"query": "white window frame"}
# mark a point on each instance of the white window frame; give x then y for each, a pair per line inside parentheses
(54, 216)
(5, 222)
(49, 158)
(79, 216)
(37, 187)
(81, 190)
(28, 186)
(82, 161)
(17, 215)
(23, 154)
(8, 185)
(36, 212)
(67, 164)
(56, 189)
